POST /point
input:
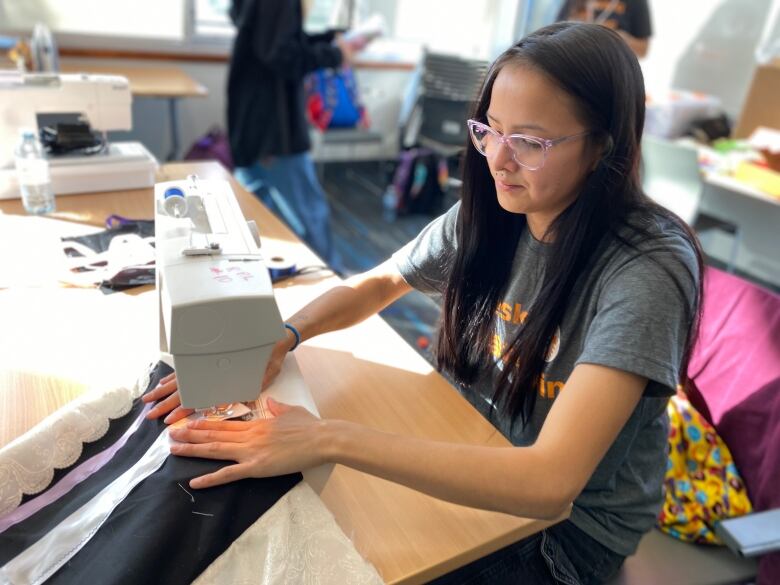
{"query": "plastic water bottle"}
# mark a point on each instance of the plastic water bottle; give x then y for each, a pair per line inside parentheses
(389, 199)
(32, 172)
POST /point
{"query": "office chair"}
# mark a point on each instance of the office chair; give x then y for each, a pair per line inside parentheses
(671, 178)
(437, 103)
(445, 93)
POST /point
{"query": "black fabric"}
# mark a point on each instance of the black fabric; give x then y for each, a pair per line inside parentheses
(271, 55)
(631, 16)
(157, 534)
(129, 277)
(100, 241)
(18, 537)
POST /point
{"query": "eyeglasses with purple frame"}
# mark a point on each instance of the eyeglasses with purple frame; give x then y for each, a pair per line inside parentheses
(525, 149)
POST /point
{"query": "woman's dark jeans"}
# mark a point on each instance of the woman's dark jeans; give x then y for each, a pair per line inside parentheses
(562, 554)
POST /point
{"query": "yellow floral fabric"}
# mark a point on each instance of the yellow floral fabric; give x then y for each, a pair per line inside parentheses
(702, 484)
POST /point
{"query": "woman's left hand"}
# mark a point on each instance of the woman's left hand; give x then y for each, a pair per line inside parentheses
(261, 448)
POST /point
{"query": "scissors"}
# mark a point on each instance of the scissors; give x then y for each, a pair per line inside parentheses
(114, 221)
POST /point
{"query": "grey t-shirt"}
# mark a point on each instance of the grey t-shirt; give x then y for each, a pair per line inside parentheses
(626, 313)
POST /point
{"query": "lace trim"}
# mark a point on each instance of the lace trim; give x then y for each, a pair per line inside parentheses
(27, 464)
(296, 541)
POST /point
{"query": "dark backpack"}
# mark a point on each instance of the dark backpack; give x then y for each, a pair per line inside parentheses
(213, 145)
(419, 182)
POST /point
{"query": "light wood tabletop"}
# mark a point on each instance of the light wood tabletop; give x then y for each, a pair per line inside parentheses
(163, 82)
(57, 342)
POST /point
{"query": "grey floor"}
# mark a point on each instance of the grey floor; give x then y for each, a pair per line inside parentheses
(365, 235)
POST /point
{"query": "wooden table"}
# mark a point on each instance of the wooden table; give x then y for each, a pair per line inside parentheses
(56, 341)
(170, 83)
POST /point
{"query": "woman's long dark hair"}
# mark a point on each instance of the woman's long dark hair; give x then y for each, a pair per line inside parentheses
(595, 67)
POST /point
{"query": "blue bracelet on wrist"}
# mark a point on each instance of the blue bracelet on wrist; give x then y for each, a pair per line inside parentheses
(296, 333)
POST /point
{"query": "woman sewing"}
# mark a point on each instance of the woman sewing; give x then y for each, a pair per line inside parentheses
(553, 223)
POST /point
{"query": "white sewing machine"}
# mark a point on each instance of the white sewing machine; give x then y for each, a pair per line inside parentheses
(218, 315)
(103, 101)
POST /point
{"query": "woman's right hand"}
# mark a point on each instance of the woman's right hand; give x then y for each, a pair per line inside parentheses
(167, 389)
(281, 348)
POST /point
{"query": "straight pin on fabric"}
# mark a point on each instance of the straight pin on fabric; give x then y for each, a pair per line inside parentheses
(186, 492)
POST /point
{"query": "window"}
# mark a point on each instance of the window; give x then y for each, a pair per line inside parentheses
(478, 29)
(325, 14)
(460, 27)
(210, 19)
(97, 17)
(473, 28)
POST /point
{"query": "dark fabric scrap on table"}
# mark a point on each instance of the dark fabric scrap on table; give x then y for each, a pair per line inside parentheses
(99, 242)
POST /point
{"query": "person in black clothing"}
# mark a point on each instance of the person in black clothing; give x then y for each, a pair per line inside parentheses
(267, 126)
(630, 18)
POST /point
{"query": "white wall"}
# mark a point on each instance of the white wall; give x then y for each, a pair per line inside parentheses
(707, 46)
(701, 45)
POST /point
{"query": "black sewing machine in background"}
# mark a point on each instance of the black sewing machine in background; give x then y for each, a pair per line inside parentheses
(69, 133)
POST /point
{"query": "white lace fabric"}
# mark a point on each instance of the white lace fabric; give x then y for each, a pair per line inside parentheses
(296, 541)
(27, 464)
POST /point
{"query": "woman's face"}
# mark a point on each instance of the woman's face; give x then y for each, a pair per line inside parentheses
(524, 101)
